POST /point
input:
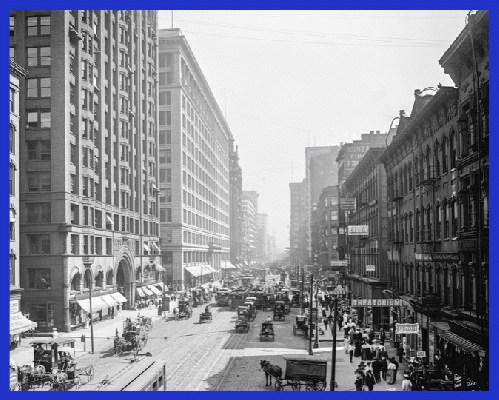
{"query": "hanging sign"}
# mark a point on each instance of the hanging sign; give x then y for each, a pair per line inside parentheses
(358, 230)
(376, 302)
(406, 329)
(421, 354)
(370, 268)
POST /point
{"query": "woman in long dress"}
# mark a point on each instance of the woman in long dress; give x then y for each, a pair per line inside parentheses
(390, 376)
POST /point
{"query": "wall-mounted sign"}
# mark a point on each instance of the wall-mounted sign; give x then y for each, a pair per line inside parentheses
(376, 302)
(347, 203)
(339, 263)
(358, 230)
(406, 329)
(370, 268)
(421, 354)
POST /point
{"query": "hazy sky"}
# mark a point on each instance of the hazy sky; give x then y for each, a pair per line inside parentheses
(291, 79)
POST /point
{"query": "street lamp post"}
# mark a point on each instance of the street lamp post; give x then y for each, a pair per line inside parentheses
(332, 384)
(310, 331)
(316, 343)
(91, 319)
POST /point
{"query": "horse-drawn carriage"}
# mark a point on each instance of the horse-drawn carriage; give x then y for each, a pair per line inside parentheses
(134, 336)
(257, 294)
(267, 331)
(183, 310)
(267, 301)
(280, 310)
(54, 367)
(197, 297)
(295, 300)
(242, 319)
(206, 315)
(308, 372)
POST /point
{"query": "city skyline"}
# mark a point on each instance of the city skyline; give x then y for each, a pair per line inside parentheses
(276, 48)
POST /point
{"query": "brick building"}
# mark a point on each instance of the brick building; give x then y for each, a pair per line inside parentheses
(88, 156)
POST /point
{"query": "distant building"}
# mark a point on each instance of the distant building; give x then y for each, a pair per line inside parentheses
(317, 177)
(194, 167)
(297, 227)
(236, 206)
(250, 229)
(262, 241)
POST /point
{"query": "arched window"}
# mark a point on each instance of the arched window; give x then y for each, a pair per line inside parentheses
(443, 149)
(428, 222)
(436, 159)
(406, 186)
(428, 162)
(99, 279)
(453, 150)
(416, 170)
(410, 177)
(454, 214)
(416, 225)
(411, 231)
(12, 139)
(438, 221)
(88, 279)
(445, 218)
(138, 273)
(109, 278)
(76, 282)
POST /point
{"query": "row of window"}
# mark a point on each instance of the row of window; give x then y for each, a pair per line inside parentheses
(35, 26)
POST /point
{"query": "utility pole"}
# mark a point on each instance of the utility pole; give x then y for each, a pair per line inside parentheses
(302, 288)
(316, 343)
(310, 330)
(332, 384)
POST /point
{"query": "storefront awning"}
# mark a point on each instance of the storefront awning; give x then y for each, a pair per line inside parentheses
(154, 290)
(111, 302)
(461, 342)
(158, 268)
(140, 292)
(19, 323)
(228, 265)
(97, 304)
(119, 297)
(160, 285)
(146, 290)
(200, 270)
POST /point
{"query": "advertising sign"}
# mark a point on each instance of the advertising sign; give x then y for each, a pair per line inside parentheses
(421, 354)
(370, 268)
(406, 329)
(339, 263)
(347, 204)
(376, 302)
(358, 230)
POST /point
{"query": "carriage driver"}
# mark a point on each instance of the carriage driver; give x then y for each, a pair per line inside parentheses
(268, 319)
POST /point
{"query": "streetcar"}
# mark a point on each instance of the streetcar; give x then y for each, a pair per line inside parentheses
(238, 297)
(144, 376)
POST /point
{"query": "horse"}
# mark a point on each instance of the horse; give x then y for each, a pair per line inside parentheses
(270, 370)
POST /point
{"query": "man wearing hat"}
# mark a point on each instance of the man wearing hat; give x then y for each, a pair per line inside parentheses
(406, 383)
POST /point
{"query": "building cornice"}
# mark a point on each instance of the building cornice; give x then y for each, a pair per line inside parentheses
(17, 70)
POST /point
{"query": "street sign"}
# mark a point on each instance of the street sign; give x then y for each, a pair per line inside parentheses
(358, 230)
(339, 263)
(406, 329)
(421, 354)
(370, 268)
(347, 203)
(376, 302)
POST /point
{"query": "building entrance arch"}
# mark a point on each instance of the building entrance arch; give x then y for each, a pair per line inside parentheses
(125, 278)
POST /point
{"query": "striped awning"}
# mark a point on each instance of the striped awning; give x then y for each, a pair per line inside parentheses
(154, 290)
(227, 265)
(119, 297)
(97, 304)
(147, 291)
(19, 323)
(140, 292)
(461, 342)
(110, 300)
(200, 270)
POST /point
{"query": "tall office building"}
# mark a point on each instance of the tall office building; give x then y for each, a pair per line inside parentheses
(298, 218)
(88, 151)
(314, 183)
(263, 237)
(195, 145)
(236, 206)
(250, 229)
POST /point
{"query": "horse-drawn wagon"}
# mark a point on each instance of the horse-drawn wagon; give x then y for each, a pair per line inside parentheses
(242, 319)
(134, 336)
(267, 331)
(280, 310)
(206, 315)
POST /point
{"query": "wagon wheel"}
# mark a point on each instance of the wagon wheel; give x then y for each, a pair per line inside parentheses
(320, 385)
(118, 350)
(295, 385)
(16, 387)
(312, 386)
(177, 317)
(278, 385)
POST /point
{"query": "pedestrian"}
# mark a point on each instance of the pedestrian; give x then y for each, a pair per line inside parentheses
(377, 370)
(359, 381)
(396, 369)
(406, 383)
(371, 334)
(382, 336)
(345, 344)
(365, 348)
(383, 353)
(384, 368)
(391, 370)
(350, 350)
(400, 353)
(324, 313)
(369, 380)
(325, 322)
